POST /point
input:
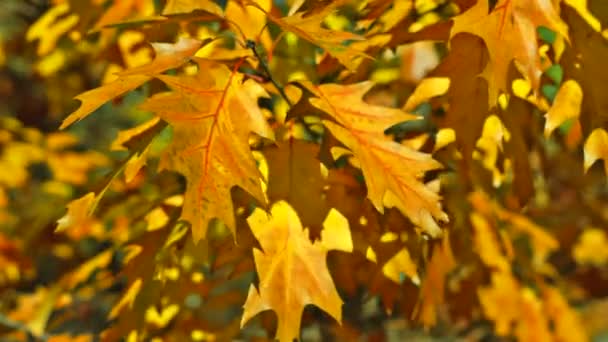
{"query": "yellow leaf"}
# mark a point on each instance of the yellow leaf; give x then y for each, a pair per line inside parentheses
(130, 137)
(444, 137)
(187, 6)
(501, 301)
(581, 7)
(400, 265)
(591, 248)
(427, 89)
(250, 21)
(133, 55)
(567, 322)
(491, 143)
(50, 27)
(85, 270)
(292, 271)
(596, 147)
(79, 212)
(487, 245)
(566, 106)
(336, 232)
(532, 324)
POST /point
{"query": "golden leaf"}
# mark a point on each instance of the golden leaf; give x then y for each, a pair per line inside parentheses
(507, 32)
(79, 212)
(596, 147)
(292, 271)
(50, 27)
(308, 26)
(387, 165)
(591, 248)
(168, 56)
(212, 114)
(566, 106)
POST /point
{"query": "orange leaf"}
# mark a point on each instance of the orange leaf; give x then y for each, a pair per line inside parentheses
(508, 32)
(212, 114)
(393, 172)
(168, 56)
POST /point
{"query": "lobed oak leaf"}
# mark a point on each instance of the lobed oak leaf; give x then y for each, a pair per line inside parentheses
(79, 212)
(212, 114)
(507, 30)
(308, 26)
(292, 271)
(585, 62)
(168, 56)
(391, 170)
(467, 93)
(250, 21)
(294, 175)
(133, 138)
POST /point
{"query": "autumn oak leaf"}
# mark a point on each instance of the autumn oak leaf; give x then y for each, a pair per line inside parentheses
(507, 30)
(212, 114)
(393, 172)
(308, 26)
(168, 56)
(292, 270)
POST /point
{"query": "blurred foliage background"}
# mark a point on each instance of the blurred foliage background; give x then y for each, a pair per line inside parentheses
(72, 286)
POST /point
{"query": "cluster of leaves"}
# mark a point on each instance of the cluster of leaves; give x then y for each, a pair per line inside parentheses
(409, 168)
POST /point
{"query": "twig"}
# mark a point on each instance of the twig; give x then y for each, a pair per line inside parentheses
(251, 45)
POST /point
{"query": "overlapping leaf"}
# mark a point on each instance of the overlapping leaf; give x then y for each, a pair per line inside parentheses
(212, 114)
(507, 31)
(309, 27)
(168, 56)
(392, 171)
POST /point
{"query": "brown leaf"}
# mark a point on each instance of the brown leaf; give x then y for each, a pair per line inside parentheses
(294, 175)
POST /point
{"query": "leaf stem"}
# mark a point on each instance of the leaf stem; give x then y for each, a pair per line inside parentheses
(251, 45)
